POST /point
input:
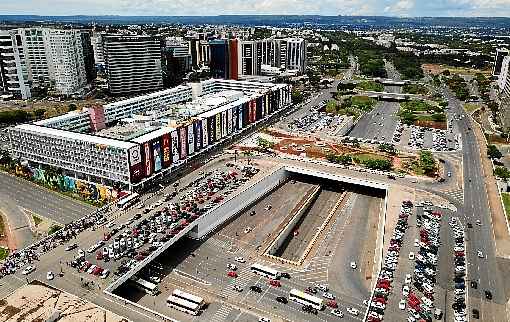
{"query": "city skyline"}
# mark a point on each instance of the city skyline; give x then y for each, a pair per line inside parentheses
(405, 8)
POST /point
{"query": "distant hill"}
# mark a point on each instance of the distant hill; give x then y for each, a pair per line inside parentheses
(356, 22)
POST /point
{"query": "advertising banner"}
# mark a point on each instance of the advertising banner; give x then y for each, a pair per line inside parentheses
(135, 156)
(167, 154)
(136, 165)
(198, 135)
(191, 140)
(156, 150)
(223, 124)
(229, 121)
(147, 159)
(175, 146)
(211, 123)
(183, 138)
(205, 134)
(218, 126)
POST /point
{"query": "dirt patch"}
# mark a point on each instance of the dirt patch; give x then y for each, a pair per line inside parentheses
(432, 124)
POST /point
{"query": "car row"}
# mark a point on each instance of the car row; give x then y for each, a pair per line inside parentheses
(425, 268)
(459, 304)
(383, 287)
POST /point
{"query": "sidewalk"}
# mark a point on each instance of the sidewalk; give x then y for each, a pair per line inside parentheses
(499, 223)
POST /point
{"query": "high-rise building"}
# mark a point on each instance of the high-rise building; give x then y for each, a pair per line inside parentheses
(36, 46)
(133, 63)
(233, 59)
(88, 56)
(13, 70)
(219, 59)
(97, 45)
(296, 54)
(250, 58)
(498, 61)
(67, 61)
(176, 62)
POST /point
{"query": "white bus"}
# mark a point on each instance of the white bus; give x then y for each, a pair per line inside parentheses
(146, 286)
(128, 201)
(265, 271)
(189, 297)
(185, 302)
(306, 299)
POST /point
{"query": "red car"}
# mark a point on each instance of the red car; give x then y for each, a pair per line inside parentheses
(99, 255)
(232, 274)
(332, 303)
(85, 266)
(139, 257)
(97, 270)
(380, 300)
(275, 283)
(107, 236)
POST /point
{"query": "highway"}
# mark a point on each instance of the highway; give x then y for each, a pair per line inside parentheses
(476, 207)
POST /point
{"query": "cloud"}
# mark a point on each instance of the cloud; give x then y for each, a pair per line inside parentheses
(400, 8)
(219, 7)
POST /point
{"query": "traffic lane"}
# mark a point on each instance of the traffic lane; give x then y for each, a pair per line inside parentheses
(17, 223)
(341, 276)
(378, 123)
(41, 201)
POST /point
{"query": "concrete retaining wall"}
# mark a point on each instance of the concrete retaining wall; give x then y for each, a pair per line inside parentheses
(237, 203)
(282, 236)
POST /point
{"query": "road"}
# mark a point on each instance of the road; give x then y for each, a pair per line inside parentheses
(484, 270)
(16, 194)
(378, 124)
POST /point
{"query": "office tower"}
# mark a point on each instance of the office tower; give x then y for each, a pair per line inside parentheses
(67, 61)
(233, 59)
(250, 58)
(97, 45)
(219, 59)
(176, 62)
(88, 56)
(133, 64)
(498, 61)
(296, 54)
(13, 71)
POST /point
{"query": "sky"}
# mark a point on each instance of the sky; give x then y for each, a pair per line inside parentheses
(406, 8)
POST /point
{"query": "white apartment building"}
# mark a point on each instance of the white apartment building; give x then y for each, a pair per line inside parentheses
(55, 56)
(13, 70)
(66, 52)
(97, 45)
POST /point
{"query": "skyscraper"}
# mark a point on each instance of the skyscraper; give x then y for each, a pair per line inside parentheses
(133, 63)
(13, 70)
(296, 54)
(88, 56)
(219, 59)
(498, 61)
(176, 62)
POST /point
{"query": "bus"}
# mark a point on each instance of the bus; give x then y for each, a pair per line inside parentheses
(265, 271)
(146, 286)
(128, 201)
(189, 297)
(306, 299)
(185, 302)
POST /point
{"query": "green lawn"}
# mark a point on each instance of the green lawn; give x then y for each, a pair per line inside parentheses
(506, 202)
(4, 252)
(367, 156)
(471, 107)
(370, 86)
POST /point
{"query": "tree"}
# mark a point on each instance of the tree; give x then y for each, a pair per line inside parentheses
(387, 147)
(493, 152)
(427, 162)
(297, 96)
(344, 159)
(502, 172)
(265, 144)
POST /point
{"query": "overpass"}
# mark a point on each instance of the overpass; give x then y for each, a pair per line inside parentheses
(384, 81)
(234, 205)
(387, 96)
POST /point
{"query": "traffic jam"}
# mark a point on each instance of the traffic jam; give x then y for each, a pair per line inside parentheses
(148, 230)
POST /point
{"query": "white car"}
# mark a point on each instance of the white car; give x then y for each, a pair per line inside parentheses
(478, 222)
(105, 273)
(408, 279)
(337, 312)
(480, 254)
(50, 276)
(264, 320)
(247, 230)
(353, 265)
(29, 269)
(240, 260)
(411, 256)
(402, 304)
(405, 290)
(155, 279)
(352, 311)
(329, 296)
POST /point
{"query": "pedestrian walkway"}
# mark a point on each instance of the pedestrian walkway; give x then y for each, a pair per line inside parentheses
(457, 194)
(243, 280)
(222, 313)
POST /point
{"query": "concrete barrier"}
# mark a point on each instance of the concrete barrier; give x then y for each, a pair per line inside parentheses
(285, 232)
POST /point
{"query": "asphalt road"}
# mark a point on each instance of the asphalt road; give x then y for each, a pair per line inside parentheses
(378, 124)
(16, 194)
(484, 270)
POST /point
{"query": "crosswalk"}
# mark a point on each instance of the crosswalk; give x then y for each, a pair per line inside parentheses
(243, 280)
(457, 194)
(222, 313)
(9, 285)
